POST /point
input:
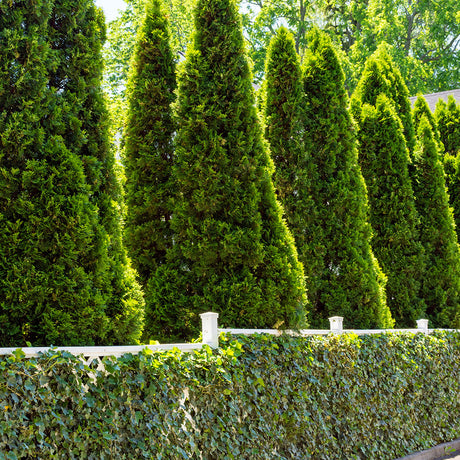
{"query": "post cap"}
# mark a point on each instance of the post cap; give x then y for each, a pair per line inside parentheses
(336, 323)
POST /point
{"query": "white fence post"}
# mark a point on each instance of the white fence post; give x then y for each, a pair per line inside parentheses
(209, 329)
(422, 325)
(336, 324)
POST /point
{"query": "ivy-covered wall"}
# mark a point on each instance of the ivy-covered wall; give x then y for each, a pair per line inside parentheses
(260, 397)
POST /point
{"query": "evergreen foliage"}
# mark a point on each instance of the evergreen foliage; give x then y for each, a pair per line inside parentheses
(282, 109)
(422, 109)
(77, 33)
(448, 120)
(233, 252)
(384, 162)
(441, 284)
(51, 277)
(149, 150)
(321, 185)
(381, 76)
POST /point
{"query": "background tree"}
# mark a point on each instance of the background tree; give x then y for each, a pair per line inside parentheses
(233, 252)
(77, 33)
(51, 256)
(343, 276)
(384, 162)
(261, 19)
(148, 152)
(440, 287)
(424, 36)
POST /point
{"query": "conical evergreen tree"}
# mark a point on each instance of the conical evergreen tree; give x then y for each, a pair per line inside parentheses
(448, 119)
(381, 76)
(448, 122)
(421, 109)
(149, 150)
(49, 289)
(233, 252)
(441, 283)
(304, 185)
(384, 162)
(282, 109)
(77, 33)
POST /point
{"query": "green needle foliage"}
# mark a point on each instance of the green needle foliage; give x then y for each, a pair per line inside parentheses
(422, 109)
(441, 285)
(77, 33)
(448, 121)
(282, 109)
(343, 276)
(50, 280)
(233, 252)
(381, 76)
(149, 150)
(281, 105)
(384, 162)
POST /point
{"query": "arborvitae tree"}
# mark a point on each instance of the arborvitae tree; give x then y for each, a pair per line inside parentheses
(448, 122)
(342, 275)
(441, 283)
(282, 109)
(384, 162)
(49, 288)
(448, 119)
(233, 252)
(149, 150)
(77, 33)
(381, 76)
(421, 109)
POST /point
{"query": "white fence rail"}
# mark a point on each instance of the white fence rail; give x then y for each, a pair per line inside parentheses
(210, 333)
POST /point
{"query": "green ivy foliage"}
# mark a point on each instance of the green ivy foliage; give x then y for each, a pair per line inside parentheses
(76, 35)
(441, 284)
(344, 397)
(342, 275)
(148, 150)
(232, 251)
(51, 287)
(384, 161)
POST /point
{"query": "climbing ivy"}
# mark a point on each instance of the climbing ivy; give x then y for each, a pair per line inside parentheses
(259, 397)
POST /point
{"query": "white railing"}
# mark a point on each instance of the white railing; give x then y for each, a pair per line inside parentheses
(210, 334)
(336, 327)
(95, 354)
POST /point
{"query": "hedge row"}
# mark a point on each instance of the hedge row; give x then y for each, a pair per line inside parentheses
(260, 397)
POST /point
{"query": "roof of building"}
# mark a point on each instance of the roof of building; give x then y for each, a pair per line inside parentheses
(433, 98)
